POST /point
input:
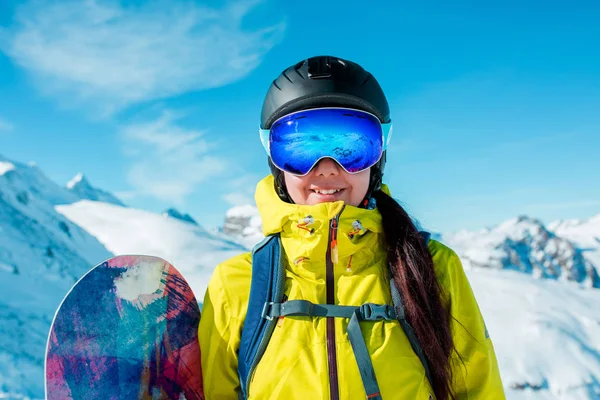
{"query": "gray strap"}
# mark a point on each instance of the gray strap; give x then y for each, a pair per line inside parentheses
(366, 312)
(363, 359)
(303, 307)
(408, 330)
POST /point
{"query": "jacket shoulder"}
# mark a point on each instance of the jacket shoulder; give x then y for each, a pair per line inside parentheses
(236, 268)
(445, 259)
(450, 272)
(232, 278)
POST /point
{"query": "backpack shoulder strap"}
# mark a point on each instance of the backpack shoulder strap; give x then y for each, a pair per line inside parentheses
(268, 276)
(401, 315)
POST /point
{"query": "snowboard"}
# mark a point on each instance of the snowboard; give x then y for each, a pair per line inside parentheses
(128, 329)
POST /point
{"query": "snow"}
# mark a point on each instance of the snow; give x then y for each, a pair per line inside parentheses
(77, 179)
(585, 234)
(545, 333)
(5, 167)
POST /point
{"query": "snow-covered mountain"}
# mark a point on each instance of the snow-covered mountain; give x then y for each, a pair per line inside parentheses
(42, 254)
(526, 245)
(49, 238)
(82, 188)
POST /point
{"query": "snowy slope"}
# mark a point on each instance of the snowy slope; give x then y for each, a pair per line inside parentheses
(82, 188)
(190, 248)
(546, 334)
(41, 255)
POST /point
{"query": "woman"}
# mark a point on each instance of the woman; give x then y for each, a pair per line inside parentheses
(325, 124)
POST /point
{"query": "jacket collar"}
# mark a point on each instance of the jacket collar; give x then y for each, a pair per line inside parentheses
(277, 214)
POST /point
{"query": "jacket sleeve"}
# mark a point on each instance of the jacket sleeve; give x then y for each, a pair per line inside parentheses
(475, 369)
(219, 335)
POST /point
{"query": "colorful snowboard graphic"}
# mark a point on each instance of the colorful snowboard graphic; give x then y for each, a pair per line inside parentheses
(127, 330)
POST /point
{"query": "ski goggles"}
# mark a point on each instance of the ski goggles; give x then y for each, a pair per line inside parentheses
(355, 139)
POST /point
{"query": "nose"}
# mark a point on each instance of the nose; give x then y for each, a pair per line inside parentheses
(327, 167)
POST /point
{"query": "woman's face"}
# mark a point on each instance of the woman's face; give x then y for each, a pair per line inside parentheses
(327, 177)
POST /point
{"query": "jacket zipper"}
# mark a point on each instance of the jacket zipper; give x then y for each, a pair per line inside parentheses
(331, 259)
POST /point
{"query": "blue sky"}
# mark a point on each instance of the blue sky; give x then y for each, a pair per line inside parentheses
(496, 108)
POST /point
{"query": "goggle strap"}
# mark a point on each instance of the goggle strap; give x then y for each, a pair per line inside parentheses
(387, 134)
(264, 138)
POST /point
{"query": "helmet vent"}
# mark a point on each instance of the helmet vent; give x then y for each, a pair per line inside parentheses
(287, 77)
(297, 67)
(319, 67)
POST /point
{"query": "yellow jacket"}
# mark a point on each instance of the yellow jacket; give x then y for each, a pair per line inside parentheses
(295, 364)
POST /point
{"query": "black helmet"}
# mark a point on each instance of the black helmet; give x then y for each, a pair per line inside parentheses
(324, 81)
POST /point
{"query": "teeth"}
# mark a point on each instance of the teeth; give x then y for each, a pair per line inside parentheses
(332, 191)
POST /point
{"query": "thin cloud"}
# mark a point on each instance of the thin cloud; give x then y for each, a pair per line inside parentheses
(244, 194)
(116, 55)
(168, 161)
(238, 198)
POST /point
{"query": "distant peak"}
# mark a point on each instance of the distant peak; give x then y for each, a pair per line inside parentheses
(77, 180)
(84, 190)
(523, 219)
(173, 213)
(6, 166)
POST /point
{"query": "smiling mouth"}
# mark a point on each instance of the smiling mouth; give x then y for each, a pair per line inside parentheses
(327, 192)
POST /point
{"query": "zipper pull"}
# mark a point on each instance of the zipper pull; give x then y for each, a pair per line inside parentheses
(334, 248)
(334, 252)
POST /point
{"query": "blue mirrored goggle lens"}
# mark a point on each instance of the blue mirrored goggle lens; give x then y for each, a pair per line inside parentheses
(298, 141)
